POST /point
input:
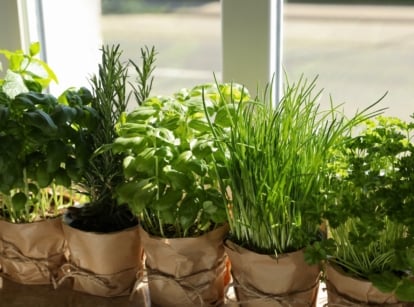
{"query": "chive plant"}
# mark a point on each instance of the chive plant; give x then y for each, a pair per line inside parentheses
(276, 158)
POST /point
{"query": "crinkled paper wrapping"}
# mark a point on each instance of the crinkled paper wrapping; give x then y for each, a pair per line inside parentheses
(186, 271)
(103, 264)
(344, 290)
(31, 253)
(265, 281)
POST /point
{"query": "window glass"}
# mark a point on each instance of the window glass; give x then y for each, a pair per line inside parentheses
(360, 51)
(186, 35)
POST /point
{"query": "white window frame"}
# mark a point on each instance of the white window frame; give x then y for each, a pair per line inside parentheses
(68, 30)
(251, 38)
(252, 44)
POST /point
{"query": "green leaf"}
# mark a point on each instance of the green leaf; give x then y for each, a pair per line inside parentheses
(225, 116)
(63, 114)
(34, 48)
(33, 188)
(19, 201)
(142, 113)
(13, 84)
(168, 201)
(202, 148)
(386, 281)
(22, 102)
(50, 75)
(43, 178)
(199, 125)
(4, 114)
(145, 161)
(405, 291)
(199, 167)
(178, 180)
(56, 155)
(188, 213)
(209, 207)
(41, 120)
(62, 178)
(171, 122)
(137, 195)
(16, 59)
(183, 158)
(129, 167)
(124, 144)
(134, 129)
(167, 216)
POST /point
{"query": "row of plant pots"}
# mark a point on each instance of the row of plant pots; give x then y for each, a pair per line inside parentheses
(181, 272)
(205, 190)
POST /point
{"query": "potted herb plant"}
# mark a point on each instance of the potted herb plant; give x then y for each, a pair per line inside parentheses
(102, 234)
(275, 160)
(172, 187)
(41, 137)
(371, 217)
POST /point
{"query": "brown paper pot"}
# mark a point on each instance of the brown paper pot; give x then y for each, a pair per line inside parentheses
(262, 280)
(344, 290)
(186, 271)
(103, 264)
(31, 253)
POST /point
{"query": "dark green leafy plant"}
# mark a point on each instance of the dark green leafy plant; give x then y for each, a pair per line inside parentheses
(104, 170)
(372, 221)
(275, 159)
(42, 139)
(169, 161)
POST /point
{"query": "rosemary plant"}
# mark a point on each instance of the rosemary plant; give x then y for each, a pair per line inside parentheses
(276, 160)
(104, 172)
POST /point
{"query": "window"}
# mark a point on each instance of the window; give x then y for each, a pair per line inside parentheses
(358, 51)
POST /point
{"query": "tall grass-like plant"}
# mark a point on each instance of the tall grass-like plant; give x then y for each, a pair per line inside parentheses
(276, 160)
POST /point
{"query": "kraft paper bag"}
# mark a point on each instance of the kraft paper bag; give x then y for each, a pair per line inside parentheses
(267, 281)
(186, 271)
(102, 264)
(344, 290)
(31, 253)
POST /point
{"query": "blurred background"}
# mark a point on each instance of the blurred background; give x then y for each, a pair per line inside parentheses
(359, 50)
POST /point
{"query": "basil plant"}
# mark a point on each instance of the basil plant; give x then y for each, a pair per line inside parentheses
(171, 160)
(44, 138)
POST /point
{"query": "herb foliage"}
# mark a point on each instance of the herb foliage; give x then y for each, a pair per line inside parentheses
(276, 159)
(373, 217)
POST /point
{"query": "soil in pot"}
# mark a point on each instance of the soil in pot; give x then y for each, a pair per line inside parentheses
(266, 281)
(100, 218)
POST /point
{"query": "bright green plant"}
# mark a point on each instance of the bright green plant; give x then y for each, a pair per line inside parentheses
(372, 222)
(42, 138)
(26, 72)
(169, 165)
(275, 160)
